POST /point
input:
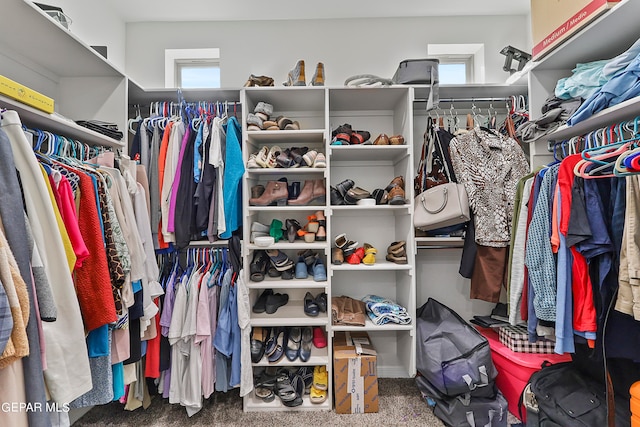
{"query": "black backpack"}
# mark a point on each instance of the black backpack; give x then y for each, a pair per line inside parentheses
(567, 398)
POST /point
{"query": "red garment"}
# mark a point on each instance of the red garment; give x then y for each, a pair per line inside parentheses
(162, 158)
(584, 310)
(152, 366)
(67, 206)
(92, 279)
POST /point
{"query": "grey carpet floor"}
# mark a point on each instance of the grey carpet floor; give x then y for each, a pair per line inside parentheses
(400, 404)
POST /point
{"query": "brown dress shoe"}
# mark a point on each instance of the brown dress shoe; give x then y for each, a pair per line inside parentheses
(275, 193)
(396, 140)
(396, 196)
(398, 181)
(382, 139)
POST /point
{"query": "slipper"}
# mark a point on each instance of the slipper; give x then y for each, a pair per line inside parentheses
(356, 257)
(319, 337)
(264, 393)
(320, 377)
(359, 137)
(316, 395)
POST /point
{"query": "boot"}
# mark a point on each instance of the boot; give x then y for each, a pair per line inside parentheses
(296, 76)
(294, 190)
(318, 76)
(275, 193)
(311, 192)
(257, 191)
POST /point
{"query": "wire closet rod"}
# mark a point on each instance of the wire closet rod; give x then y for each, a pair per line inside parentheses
(499, 99)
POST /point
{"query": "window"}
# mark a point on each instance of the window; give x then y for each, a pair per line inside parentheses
(192, 68)
(459, 63)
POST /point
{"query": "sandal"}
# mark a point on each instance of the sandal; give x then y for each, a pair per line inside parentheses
(320, 377)
(350, 248)
(284, 389)
(262, 156)
(342, 134)
(272, 157)
(321, 234)
(316, 395)
(298, 385)
(258, 266)
(279, 260)
(265, 393)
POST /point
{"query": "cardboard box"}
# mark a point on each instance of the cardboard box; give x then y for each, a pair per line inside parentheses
(517, 339)
(355, 373)
(25, 95)
(554, 21)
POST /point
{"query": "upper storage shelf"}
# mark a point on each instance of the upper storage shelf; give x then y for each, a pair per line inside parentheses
(366, 98)
(31, 33)
(604, 38)
(140, 96)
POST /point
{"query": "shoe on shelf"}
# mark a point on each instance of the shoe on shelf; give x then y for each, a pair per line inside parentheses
(320, 377)
(279, 259)
(254, 122)
(319, 337)
(309, 157)
(261, 157)
(256, 234)
(313, 191)
(337, 257)
(336, 198)
(260, 306)
(379, 195)
(344, 186)
(275, 230)
(283, 121)
(254, 80)
(382, 139)
(342, 135)
(284, 159)
(369, 254)
(396, 140)
(296, 77)
(258, 226)
(319, 271)
(354, 194)
(292, 226)
(320, 161)
(294, 190)
(397, 252)
(321, 233)
(396, 196)
(318, 76)
(321, 300)
(359, 137)
(275, 301)
(356, 257)
(349, 248)
(297, 154)
(270, 125)
(294, 338)
(258, 267)
(257, 343)
(288, 274)
(295, 125)
(251, 163)
(305, 351)
(309, 237)
(257, 191)
(264, 107)
(278, 350)
(275, 193)
(317, 396)
(301, 269)
(310, 306)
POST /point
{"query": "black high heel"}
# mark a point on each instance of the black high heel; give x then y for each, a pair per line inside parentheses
(292, 226)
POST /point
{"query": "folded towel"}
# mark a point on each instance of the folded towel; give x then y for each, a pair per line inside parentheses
(382, 310)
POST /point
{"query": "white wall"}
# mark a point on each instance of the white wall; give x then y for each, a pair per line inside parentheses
(346, 46)
(96, 24)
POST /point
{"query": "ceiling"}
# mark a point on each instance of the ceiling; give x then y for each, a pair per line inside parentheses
(240, 10)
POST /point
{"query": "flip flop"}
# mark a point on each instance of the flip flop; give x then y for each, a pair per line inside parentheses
(264, 393)
(317, 395)
(320, 377)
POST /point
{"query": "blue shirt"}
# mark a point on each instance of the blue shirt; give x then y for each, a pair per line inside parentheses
(233, 171)
(624, 85)
(197, 154)
(564, 316)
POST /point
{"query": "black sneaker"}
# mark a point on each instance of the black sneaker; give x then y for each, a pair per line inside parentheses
(275, 301)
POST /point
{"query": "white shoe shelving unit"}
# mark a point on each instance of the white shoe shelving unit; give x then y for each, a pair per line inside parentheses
(387, 110)
(308, 106)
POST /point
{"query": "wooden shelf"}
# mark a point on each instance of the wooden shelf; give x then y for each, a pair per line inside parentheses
(34, 118)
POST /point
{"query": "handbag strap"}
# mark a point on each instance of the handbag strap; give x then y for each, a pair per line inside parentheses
(445, 164)
(445, 198)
